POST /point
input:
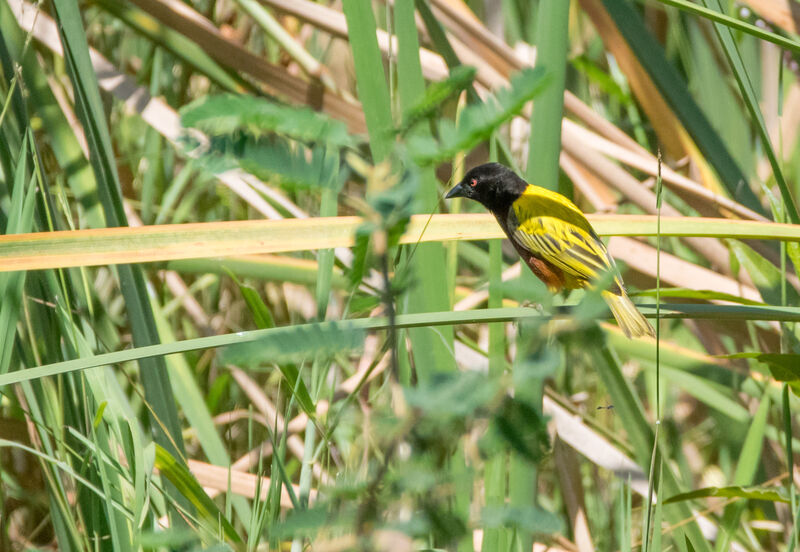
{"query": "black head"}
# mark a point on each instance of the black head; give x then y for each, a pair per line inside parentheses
(493, 185)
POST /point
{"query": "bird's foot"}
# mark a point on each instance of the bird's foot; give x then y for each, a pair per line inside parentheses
(531, 305)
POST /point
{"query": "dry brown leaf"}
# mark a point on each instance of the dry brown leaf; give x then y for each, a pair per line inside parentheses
(241, 483)
(184, 19)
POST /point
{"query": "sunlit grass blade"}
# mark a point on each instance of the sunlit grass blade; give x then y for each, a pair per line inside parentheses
(220, 239)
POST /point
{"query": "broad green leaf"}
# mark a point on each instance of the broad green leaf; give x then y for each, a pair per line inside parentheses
(771, 494)
(784, 366)
(766, 276)
(478, 121)
(229, 114)
(298, 343)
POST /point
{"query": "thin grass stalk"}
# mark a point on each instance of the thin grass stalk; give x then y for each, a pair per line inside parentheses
(647, 522)
(791, 490)
(648, 538)
(276, 335)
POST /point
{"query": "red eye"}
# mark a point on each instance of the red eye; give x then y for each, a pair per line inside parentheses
(473, 182)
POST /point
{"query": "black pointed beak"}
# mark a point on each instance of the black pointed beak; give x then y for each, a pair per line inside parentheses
(457, 191)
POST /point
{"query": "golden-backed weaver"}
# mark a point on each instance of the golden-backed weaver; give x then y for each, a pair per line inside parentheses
(552, 236)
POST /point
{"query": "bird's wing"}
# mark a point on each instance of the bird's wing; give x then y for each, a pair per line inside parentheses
(554, 229)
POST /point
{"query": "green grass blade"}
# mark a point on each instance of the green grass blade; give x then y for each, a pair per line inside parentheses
(158, 391)
(770, 494)
(23, 193)
(552, 33)
(371, 83)
(495, 472)
(431, 349)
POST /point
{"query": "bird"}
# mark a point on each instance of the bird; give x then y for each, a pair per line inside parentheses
(552, 236)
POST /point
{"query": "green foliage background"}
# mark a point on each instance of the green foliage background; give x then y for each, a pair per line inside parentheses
(395, 395)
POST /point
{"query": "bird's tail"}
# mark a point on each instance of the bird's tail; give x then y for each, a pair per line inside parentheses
(630, 320)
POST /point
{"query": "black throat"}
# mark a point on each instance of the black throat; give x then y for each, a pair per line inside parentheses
(502, 193)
